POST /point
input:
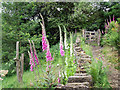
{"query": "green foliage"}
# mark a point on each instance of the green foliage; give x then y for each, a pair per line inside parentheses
(71, 67)
(111, 38)
(49, 78)
(20, 22)
(118, 19)
(85, 47)
(9, 66)
(98, 73)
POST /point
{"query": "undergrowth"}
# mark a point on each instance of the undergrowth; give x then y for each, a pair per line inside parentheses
(95, 69)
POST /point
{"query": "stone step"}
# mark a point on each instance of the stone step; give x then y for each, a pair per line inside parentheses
(84, 60)
(81, 74)
(75, 79)
(81, 71)
(81, 54)
(79, 87)
(78, 42)
(80, 64)
(77, 48)
(76, 45)
(81, 67)
(77, 57)
(85, 56)
(78, 84)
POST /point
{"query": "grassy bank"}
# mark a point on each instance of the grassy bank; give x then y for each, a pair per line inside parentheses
(111, 55)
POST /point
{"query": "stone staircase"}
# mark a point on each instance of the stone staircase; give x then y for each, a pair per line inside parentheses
(81, 80)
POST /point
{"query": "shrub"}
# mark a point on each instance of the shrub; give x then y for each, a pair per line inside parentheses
(111, 36)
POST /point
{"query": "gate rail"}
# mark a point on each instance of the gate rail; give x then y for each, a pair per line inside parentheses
(91, 36)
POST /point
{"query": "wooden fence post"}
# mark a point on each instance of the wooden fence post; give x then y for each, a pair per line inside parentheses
(83, 32)
(19, 63)
(99, 36)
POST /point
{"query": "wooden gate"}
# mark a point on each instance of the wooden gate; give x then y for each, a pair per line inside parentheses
(92, 36)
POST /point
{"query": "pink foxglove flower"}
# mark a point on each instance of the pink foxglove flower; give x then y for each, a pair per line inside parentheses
(110, 19)
(35, 55)
(62, 52)
(102, 32)
(99, 57)
(30, 58)
(73, 61)
(48, 55)
(113, 18)
(44, 43)
(31, 62)
(49, 66)
(36, 58)
(31, 53)
(31, 67)
(61, 45)
(58, 80)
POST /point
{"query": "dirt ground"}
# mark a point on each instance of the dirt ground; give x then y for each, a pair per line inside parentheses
(113, 73)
